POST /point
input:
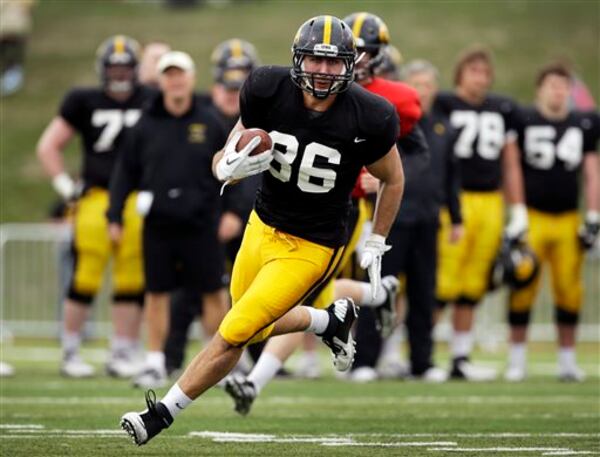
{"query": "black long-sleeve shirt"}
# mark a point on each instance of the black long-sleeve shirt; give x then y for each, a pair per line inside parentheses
(432, 178)
(172, 158)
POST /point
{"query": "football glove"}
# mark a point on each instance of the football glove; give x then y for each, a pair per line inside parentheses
(370, 260)
(518, 222)
(64, 186)
(236, 165)
(588, 232)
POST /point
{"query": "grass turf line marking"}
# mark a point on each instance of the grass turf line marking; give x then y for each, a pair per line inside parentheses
(395, 444)
(22, 426)
(500, 449)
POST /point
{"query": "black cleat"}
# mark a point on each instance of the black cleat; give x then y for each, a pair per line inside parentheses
(144, 426)
(385, 315)
(342, 314)
(242, 391)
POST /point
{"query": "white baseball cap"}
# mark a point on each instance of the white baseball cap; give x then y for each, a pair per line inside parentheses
(176, 59)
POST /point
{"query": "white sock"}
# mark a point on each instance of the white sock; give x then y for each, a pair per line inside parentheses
(121, 344)
(319, 319)
(176, 400)
(461, 344)
(156, 359)
(265, 369)
(566, 358)
(517, 355)
(366, 299)
(71, 342)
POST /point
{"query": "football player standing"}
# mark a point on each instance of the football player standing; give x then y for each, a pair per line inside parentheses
(324, 130)
(557, 145)
(487, 167)
(99, 115)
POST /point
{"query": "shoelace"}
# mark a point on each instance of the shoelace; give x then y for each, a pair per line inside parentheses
(151, 401)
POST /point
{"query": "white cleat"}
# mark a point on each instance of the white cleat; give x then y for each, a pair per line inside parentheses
(363, 374)
(515, 374)
(123, 366)
(462, 368)
(151, 378)
(571, 374)
(434, 375)
(6, 370)
(74, 367)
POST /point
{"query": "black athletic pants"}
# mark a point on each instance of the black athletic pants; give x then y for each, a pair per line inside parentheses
(413, 254)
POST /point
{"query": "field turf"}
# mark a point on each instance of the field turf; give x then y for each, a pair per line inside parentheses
(42, 414)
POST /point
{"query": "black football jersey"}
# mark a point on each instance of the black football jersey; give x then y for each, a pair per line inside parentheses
(551, 155)
(318, 156)
(100, 121)
(482, 133)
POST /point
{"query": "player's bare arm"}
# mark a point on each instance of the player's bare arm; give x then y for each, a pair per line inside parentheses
(389, 171)
(50, 147)
(512, 182)
(591, 226)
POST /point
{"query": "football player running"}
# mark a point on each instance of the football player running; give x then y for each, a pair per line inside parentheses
(487, 166)
(296, 235)
(372, 37)
(99, 115)
(556, 146)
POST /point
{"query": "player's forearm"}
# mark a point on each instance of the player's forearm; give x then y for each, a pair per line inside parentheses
(512, 179)
(387, 206)
(51, 158)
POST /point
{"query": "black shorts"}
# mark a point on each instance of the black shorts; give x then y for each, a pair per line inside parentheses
(183, 256)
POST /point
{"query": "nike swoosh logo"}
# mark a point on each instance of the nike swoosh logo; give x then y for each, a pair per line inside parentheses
(359, 140)
(228, 161)
(178, 405)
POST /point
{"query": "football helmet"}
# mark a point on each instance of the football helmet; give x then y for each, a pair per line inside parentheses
(390, 65)
(515, 266)
(372, 37)
(118, 50)
(232, 61)
(323, 36)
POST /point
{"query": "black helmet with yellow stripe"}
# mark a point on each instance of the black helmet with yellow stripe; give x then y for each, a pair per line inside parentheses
(232, 61)
(118, 50)
(515, 266)
(323, 36)
(371, 35)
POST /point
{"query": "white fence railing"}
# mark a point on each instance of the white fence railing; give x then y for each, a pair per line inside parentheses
(34, 271)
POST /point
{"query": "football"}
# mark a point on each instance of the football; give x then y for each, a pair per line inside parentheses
(265, 140)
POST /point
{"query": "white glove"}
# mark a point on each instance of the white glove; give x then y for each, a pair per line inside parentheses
(64, 186)
(240, 164)
(370, 260)
(518, 222)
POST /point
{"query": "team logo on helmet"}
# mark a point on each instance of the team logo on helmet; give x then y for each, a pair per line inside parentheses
(323, 36)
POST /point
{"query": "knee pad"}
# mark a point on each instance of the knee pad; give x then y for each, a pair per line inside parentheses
(120, 298)
(239, 330)
(565, 317)
(519, 318)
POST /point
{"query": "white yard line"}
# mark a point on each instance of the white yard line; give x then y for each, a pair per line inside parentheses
(34, 427)
(500, 449)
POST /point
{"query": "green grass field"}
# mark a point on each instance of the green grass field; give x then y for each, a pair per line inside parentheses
(523, 35)
(42, 414)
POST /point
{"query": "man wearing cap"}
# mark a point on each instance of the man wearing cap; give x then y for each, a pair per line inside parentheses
(232, 61)
(168, 157)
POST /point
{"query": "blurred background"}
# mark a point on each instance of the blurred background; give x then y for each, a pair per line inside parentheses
(60, 52)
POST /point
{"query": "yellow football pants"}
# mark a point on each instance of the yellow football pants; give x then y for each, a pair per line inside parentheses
(464, 268)
(93, 249)
(553, 239)
(327, 294)
(273, 272)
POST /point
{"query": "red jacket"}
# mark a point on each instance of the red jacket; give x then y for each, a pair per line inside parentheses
(403, 97)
